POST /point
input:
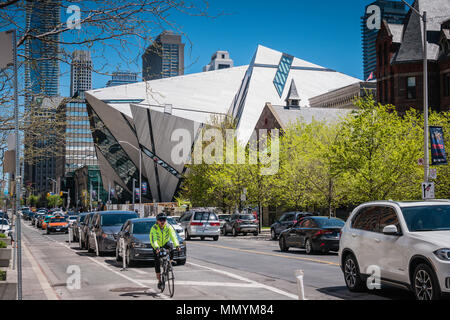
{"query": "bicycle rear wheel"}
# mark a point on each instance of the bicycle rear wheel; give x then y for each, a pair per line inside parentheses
(170, 278)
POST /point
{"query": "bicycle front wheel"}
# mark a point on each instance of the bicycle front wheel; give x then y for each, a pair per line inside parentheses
(163, 276)
(170, 279)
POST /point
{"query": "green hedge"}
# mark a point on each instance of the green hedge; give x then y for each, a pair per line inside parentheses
(2, 245)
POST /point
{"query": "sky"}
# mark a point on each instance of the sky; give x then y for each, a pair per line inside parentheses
(327, 33)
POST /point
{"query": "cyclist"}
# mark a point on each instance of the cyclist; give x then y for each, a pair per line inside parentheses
(160, 234)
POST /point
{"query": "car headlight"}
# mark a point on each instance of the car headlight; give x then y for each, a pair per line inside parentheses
(443, 254)
(108, 236)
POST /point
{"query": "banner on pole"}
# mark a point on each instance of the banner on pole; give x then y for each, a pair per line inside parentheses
(6, 49)
(438, 155)
(144, 187)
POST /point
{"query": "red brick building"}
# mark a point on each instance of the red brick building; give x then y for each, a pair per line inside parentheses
(400, 59)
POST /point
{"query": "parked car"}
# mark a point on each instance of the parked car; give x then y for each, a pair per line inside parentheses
(35, 218)
(5, 227)
(135, 233)
(57, 224)
(71, 219)
(40, 220)
(178, 228)
(84, 230)
(45, 221)
(199, 223)
(76, 226)
(176, 218)
(241, 223)
(287, 220)
(223, 218)
(408, 241)
(104, 227)
(314, 234)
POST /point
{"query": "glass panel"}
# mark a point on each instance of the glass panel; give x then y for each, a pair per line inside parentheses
(282, 73)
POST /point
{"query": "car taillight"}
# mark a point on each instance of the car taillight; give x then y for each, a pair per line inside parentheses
(215, 224)
(238, 221)
(196, 223)
(295, 221)
(322, 232)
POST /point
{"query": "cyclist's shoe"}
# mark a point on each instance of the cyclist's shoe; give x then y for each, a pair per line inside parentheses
(159, 285)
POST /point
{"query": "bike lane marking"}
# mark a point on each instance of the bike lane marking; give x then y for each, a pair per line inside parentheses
(270, 254)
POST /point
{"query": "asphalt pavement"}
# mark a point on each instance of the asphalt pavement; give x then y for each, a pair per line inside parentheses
(238, 268)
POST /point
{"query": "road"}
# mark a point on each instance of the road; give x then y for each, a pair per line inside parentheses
(232, 268)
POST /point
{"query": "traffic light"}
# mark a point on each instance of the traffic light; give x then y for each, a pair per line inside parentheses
(61, 194)
(48, 194)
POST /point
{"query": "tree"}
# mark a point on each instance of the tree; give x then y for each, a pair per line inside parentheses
(54, 200)
(376, 153)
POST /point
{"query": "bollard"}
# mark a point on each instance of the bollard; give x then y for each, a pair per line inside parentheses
(79, 238)
(301, 289)
(124, 251)
(70, 236)
(96, 244)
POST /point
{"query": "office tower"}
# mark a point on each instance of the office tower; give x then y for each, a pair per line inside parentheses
(80, 72)
(394, 12)
(122, 77)
(164, 58)
(219, 60)
(41, 84)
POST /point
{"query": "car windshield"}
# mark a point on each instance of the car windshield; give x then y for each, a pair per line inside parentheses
(246, 217)
(427, 218)
(223, 216)
(172, 221)
(73, 218)
(116, 219)
(330, 223)
(55, 220)
(143, 227)
(205, 216)
(3, 221)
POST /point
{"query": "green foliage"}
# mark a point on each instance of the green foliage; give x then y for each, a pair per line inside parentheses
(3, 236)
(54, 200)
(33, 200)
(3, 245)
(369, 155)
(2, 275)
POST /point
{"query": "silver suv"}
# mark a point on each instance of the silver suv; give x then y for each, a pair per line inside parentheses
(199, 223)
(400, 243)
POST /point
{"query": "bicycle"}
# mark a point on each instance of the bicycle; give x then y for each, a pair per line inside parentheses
(167, 272)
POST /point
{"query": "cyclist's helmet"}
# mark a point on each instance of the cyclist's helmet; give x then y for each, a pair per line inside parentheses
(161, 217)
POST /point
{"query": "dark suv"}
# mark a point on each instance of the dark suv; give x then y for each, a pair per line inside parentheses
(105, 226)
(241, 223)
(286, 221)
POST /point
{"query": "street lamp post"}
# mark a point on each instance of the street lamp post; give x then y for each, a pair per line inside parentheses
(425, 87)
(140, 173)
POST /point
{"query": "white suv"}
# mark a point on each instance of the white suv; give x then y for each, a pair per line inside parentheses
(408, 243)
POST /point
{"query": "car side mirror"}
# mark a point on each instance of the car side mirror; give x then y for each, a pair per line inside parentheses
(391, 230)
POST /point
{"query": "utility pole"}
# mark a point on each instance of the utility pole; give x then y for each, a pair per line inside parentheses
(425, 87)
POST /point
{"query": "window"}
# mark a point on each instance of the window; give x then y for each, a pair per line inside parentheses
(282, 73)
(411, 88)
(447, 85)
(205, 216)
(367, 219)
(427, 218)
(388, 217)
(308, 223)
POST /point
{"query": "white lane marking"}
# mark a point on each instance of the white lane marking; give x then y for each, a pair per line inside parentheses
(139, 283)
(261, 285)
(138, 271)
(209, 283)
(43, 281)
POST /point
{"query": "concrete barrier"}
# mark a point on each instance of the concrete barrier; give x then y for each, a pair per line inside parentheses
(5, 256)
(8, 288)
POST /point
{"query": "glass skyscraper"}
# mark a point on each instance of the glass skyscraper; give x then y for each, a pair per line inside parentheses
(164, 58)
(41, 81)
(393, 12)
(122, 77)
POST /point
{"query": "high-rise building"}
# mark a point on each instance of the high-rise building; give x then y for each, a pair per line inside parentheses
(164, 58)
(77, 147)
(219, 60)
(122, 77)
(41, 84)
(394, 12)
(80, 72)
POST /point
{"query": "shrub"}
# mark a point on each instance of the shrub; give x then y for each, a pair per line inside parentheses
(2, 275)
(3, 236)
(2, 245)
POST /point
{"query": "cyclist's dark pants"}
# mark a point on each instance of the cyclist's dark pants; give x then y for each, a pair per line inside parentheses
(168, 246)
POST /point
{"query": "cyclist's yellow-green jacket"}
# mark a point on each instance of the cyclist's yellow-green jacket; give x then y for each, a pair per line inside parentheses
(159, 238)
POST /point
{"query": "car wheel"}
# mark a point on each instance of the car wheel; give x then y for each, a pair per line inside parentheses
(188, 237)
(202, 238)
(309, 247)
(225, 232)
(88, 246)
(130, 262)
(425, 284)
(255, 233)
(352, 275)
(181, 262)
(48, 232)
(273, 235)
(216, 238)
(283, 246)
(234, 232)
(118, 257)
